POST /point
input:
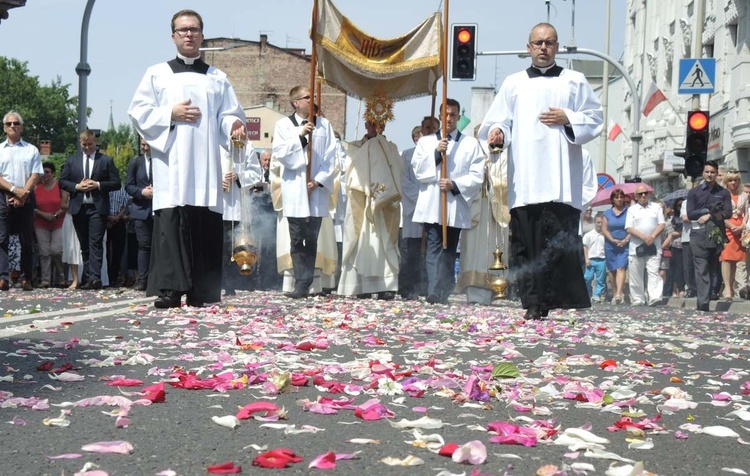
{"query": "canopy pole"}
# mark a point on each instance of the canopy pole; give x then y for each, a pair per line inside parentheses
(313, 67)
(444, 165)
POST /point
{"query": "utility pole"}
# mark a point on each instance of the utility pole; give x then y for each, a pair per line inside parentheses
(700, 16)
(83, 69)
(605, 95)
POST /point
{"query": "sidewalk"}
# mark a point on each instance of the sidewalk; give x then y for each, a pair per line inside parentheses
(737, 306)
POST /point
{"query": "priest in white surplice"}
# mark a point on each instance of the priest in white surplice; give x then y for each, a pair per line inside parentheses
(465, 167)
(370, 259)
(542, 116)
(306, 200)
(187, 111)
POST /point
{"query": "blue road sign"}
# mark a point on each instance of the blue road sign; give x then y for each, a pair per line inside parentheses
(697, 76)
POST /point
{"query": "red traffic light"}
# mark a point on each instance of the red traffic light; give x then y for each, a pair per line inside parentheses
(463, 36)
(697, 121)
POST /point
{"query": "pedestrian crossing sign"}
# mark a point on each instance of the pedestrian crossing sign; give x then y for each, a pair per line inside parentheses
(697, 76)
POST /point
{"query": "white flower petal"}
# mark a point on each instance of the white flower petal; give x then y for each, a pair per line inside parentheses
(229, 421)
(720, 431)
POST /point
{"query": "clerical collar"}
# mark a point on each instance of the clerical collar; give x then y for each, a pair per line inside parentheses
(182, 64)
(550, 71)
(187, 60)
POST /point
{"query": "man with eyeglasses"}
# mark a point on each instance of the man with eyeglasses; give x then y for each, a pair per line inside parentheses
(187, 111)
(20, 168)
(645, 224)
(543, 115)
(305, 200)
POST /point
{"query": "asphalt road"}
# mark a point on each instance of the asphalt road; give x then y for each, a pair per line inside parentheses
(672, 377)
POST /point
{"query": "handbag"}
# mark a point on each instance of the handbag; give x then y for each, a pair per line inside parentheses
(745, 238)
(645, 250)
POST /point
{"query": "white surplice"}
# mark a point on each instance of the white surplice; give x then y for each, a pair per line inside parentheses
(465, 168)
(288, 150)
(545, 163)
(186, 156)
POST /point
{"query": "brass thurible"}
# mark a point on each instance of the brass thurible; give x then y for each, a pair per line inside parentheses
(496, 279)
(245, 256)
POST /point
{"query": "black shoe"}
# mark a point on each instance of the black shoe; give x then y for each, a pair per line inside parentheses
(26, 285)
(192, 302)
(534, 314)
(297, 294)
(168, 299)
(744, 293)
(364, 296)
(433, 299)
(140, 287)
(703, 308)
(714, 297)
(689, 294)
(4, 285)
(230, 292)
(386, 296)
(93, 284)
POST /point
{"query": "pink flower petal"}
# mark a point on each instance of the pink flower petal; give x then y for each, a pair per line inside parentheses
(324, 461)
(247, 411)
(473, 452)
(117, 447)
(66, 456)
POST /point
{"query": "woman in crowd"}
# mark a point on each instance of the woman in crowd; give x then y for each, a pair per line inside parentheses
(733, 252)
(616, 244)
(48, 222)
(71, 248)
(675, 263)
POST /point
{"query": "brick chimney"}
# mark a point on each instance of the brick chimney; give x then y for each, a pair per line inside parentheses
(45, 147)
(263, 43)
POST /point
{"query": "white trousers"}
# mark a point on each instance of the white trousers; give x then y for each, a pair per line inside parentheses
(637, 267)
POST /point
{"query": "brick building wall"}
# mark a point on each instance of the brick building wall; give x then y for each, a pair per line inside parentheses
(262, 75)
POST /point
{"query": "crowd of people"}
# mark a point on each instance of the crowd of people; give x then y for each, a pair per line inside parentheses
(311, 216)
(690, 246)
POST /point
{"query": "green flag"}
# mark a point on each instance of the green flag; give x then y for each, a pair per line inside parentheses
(462, 123)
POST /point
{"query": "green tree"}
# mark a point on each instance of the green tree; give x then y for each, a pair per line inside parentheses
(120, 144)
(49, 112)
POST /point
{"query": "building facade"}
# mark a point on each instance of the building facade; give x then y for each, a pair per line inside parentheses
(658, 35)
(263, 74)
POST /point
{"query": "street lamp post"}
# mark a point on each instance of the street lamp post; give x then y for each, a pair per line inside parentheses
(82, 68)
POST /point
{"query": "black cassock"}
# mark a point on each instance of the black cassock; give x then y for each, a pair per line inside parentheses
(186, 253)
(546, 257)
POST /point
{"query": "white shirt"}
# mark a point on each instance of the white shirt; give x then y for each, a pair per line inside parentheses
(594, 242)
(18, 161)
(685, 237)
(465, 168)
(644, 219)
(409, 195)
(245, 164)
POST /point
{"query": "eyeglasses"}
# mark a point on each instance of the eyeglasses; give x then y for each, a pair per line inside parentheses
(547, 43)
(183, 32)
(303, 98)
(640, 194)
(12, 123)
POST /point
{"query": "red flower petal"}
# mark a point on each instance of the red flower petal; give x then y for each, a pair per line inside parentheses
(608, 363)
(224, 468)
(155, 393)
(45, 366)
(448, 449)
(125, 382)
(278, 458)
(247, 411)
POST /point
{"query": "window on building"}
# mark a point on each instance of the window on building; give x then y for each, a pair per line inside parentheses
(732, 31)
(671, 28)
(690, 9)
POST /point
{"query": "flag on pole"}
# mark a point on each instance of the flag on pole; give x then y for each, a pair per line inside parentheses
(614, 130)
(653, 98)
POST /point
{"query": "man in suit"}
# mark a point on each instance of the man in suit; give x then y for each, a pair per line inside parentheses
(140, 186)
(89, 176)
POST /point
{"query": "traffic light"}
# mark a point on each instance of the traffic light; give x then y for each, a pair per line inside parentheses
(463, 63)
(695, 152)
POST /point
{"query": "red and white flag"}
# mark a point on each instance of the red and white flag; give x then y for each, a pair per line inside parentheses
(614, 130)
(653, 98)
